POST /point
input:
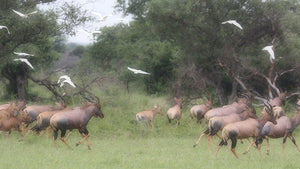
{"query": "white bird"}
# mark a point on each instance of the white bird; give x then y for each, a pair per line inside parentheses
(124, 20)
(269, 49)
(65, 79)
(100, 16)
(4, 27)
(234, 22)
(135, 71)
(24, 15)
(23, 54)
(25, 61)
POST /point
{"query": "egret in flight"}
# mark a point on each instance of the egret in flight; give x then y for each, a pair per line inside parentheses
(23, 54)
(100, 16)
(135, 71)
(65, 79)
(234, 22)
(25, 61)
(24, 15)
(269, 49)
(4, 27)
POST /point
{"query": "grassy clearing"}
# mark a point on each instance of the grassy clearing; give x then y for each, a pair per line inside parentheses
(120, 142)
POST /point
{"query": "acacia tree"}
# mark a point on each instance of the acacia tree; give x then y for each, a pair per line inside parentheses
(39, 34)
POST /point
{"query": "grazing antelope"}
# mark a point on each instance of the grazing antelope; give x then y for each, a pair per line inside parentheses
(175, 111)
(149, 115)
(34, 110)
(198, 111)
(217, 123)
(246, 129)
(76, 118)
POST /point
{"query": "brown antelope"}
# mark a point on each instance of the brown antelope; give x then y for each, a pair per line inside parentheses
(34, 110)
(217, 123)
(175, 111)
(12, 123)
(149, 115)
(43, 120)
(278, 101)
(198, 111)
(20, 104)
(11, 110)
(235, 107)
(76, 118)
(246, 129)
(284, 128)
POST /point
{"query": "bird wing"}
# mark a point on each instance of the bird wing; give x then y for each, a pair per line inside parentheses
(70, 82)
(34, 12)
(234, 22)
(19, 13)
(133, 70)
(143, 72)
(25, 61)
(5, 27)
(94, 32)
(63, 77)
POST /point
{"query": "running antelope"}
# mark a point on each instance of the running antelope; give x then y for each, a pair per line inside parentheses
(149, 115)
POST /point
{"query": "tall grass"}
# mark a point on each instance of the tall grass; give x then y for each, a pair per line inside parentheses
(120, 142)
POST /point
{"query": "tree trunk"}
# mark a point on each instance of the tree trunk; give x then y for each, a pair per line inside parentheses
(21, 86)
(232, 97)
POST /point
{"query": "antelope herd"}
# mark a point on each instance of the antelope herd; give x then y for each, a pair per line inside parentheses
(234, 121)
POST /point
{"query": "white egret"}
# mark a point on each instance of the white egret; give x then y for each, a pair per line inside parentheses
(234, 22)
(269, 49)
(25, 61)
(24, 15)
(4, 27)
(65, 79)
(88, 34)
(100, 16)
(135, 71)
(23, 54)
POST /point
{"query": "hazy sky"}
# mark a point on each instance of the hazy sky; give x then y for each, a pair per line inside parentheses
(105, 7)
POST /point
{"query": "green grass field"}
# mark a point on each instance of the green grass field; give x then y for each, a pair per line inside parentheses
(120, 142)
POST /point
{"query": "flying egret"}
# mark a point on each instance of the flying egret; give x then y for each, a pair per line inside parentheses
(124, 20)
(23, 54)
(100, 16)
(25, 61)
(269, 49)
(65, 79)
(234, 22)
(4, 27)
(135, 71)
(24, 15)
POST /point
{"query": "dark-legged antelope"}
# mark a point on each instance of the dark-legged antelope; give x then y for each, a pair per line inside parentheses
(76, 118)
(175, 111)
(246, 129)
(198, 111)
(217, 123)
(284, 128)
(149, 115)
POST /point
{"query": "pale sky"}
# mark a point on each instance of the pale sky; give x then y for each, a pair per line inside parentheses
(105, 7)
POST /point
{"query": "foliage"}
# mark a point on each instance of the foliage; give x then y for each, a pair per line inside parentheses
(39, 34)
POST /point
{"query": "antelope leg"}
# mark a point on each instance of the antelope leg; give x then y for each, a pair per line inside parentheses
(63, 140)
(68, 135)
(84, 137)
(198, 141)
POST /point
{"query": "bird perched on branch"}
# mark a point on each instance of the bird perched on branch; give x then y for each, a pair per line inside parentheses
(135, 71)
(234, 22)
